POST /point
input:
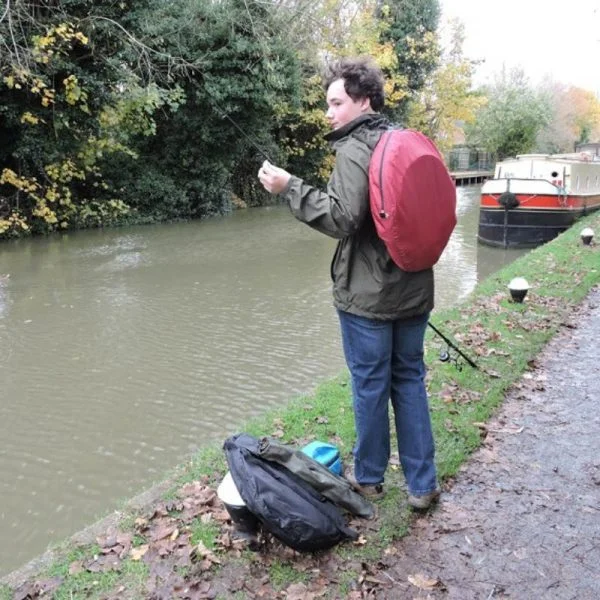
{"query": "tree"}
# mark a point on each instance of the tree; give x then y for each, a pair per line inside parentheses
(207, 154)
(576, 118)
(412, 31)
(337, 28)
(447, 102)
(88, 101)
(509, 123)
(65, 75)
(586, 120)
(558, 135)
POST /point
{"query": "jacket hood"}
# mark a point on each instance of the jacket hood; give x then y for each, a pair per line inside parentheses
(366, 127)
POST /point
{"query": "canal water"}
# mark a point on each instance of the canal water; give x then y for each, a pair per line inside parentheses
(122, 351)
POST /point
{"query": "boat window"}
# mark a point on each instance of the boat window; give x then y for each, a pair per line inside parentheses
(577, 182)
(587, 182)
(554, 174)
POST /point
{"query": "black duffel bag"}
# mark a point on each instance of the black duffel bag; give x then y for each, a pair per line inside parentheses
(286, 506)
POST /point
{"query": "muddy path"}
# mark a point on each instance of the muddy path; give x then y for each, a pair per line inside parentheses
(522, 518)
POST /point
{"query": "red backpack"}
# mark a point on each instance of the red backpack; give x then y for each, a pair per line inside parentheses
(413, 198)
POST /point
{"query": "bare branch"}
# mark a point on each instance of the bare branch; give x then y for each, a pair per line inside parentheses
(5, 11)
(145, 51)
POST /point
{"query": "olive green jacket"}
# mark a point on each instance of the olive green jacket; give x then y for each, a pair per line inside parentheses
(366, 281)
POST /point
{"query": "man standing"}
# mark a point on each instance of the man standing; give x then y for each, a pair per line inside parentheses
(383, 310)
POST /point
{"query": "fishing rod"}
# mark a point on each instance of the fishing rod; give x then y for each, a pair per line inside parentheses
(445, 356)
(224, 115)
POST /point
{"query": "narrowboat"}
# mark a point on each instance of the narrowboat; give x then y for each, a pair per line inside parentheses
(534, 197)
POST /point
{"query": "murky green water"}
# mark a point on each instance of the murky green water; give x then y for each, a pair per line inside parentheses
(122, 351)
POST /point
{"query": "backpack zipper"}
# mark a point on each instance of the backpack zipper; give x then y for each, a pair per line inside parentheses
(382, 213)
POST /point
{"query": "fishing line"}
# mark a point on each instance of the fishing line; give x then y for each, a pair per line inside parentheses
(255, 145)
(252, 141)
(263, 153)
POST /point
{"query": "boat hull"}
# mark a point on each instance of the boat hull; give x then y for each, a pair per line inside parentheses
(533, 198)
(524, 228)
(527, 213)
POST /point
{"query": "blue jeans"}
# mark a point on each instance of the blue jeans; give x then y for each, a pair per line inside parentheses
(385, 359)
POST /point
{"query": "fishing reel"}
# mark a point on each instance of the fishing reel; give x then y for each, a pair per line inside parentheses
(446, 356)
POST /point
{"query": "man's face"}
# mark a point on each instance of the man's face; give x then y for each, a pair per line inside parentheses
(342, 109)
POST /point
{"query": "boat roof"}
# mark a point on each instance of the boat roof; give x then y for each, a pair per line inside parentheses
(569, 156)
(544, 156)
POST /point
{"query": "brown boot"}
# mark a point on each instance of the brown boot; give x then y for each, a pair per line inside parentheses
(426, 500)
(368, 491)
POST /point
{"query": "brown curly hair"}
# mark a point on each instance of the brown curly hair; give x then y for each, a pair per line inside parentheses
(362, 79)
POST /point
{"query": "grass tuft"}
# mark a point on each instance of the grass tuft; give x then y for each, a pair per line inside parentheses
(283, 574)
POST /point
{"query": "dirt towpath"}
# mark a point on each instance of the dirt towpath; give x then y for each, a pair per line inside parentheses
(522, 519)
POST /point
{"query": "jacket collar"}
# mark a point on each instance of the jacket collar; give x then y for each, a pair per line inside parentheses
(338, 134)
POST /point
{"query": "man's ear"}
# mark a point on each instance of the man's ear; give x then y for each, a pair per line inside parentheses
(365, 105)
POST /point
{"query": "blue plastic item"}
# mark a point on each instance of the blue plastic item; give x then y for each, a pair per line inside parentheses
(326, 454)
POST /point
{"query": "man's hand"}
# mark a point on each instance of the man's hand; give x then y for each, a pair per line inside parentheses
(273, 178)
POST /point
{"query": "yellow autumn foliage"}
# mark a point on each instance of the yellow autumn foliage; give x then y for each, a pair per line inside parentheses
(447, 101)
(360, 33)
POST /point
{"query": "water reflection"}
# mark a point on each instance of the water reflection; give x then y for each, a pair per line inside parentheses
(490, 260)
(465, 262)
(4, 279)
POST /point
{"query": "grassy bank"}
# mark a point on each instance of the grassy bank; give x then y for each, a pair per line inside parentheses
(180, 547)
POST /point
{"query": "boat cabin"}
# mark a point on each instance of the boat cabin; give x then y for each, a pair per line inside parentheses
(571, 173)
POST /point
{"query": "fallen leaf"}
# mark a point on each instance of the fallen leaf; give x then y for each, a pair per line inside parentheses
(423, 582)
(76, 567)
(103, 564)
(163, 531)
(199, 591)
(138, 552)
(37, 589)
(298, 591)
